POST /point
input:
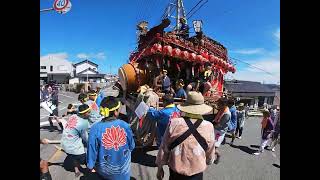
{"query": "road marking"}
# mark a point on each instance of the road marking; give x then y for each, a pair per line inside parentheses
(56, 155)
(63, 121)
(44, 116)
(67, 96)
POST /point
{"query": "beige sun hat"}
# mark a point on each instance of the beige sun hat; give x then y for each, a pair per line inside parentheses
(241, 104)
(194, 104)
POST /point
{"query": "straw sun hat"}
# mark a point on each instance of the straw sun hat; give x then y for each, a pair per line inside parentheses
(194, 104)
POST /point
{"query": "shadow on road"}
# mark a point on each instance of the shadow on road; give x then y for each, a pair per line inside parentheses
(140, 156)
(276, 165)
(55, 164)
(255, 146)
(244, 149)
(55, 128)
(95, 176)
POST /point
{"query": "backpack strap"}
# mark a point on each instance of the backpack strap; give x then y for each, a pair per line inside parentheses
(192, 130)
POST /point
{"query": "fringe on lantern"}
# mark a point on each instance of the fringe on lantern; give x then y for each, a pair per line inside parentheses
(158, 63)
(178, 67)
(192, 71)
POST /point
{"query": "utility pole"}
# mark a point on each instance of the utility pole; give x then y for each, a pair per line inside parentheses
(87, 73)
(179, 12)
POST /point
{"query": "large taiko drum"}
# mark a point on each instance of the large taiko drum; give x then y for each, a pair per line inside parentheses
(131, 78)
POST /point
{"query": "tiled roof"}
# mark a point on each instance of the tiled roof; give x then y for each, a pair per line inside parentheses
(247, 87)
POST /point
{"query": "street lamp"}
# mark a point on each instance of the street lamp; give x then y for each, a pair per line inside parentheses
(197, 25)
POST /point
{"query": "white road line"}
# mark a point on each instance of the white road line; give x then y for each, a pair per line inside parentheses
(44, 116)
(67, 96)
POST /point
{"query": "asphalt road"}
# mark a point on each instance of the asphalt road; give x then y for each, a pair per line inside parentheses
(237, 162)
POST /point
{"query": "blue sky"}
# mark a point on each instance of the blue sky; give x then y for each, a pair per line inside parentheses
(104, 31)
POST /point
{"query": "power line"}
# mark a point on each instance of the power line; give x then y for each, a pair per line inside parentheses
(197, 9)
(255, 67)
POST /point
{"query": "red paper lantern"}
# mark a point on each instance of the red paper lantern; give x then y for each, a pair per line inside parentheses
(192, 56)
(156, 48)
(212, 58)
(184, 55)
(224, 65)
(176, 52)
(199, 57)
(218, 62)
(205, 54)
(167, 50)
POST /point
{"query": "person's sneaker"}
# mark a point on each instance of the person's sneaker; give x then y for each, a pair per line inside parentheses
(51, 129)
(216, 161)
(257, 153)
(77, 174)
(239, 137)
(224, 141)
(273, 149)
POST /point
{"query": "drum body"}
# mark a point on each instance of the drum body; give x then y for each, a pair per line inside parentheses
(131, 77)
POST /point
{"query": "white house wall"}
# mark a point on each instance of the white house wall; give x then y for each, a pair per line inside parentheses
(84, 66)
(73, 80)
(88, 72)
(59, 66)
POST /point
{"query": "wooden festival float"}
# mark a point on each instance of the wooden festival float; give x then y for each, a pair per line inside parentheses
(183, 58)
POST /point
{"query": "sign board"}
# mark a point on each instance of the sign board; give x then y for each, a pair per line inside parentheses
(197, 25)
(142, 109)
(62, 6)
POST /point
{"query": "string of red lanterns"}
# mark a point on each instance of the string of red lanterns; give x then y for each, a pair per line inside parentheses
(203, 57)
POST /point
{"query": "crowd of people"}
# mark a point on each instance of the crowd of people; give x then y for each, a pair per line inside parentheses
(96, 136)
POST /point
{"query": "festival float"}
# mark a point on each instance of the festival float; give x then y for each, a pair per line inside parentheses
(182, 56)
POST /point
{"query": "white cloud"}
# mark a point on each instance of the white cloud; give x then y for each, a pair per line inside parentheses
(83, 56)
(249, 51)
(269, 62)
(271, 65)
(55, 56)
(276, 35)
(99, 56)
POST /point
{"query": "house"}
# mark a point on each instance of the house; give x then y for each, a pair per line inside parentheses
(276, 89)
(87, 71)
(251, 93)
(56, 69)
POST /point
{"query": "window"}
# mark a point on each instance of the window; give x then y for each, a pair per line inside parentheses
(51, 68)
(43, 67)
